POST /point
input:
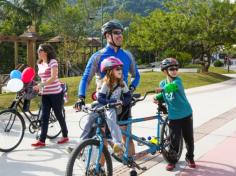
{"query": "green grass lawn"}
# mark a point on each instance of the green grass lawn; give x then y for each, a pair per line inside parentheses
(149, 81)
(221, 70)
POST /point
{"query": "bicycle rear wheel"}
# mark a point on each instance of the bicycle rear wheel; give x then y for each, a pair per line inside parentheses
(83, 160)
(12, 128)
(54, 128)
(168, 155)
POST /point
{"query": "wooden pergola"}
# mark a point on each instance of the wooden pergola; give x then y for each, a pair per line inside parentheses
(89, 42)
(30, 38)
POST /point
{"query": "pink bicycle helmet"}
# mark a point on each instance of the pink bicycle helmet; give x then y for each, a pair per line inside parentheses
(110, 63)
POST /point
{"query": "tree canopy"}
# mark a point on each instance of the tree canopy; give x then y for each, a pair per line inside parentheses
(193, 27)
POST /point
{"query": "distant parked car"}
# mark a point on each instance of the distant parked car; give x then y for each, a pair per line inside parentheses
(154, 64)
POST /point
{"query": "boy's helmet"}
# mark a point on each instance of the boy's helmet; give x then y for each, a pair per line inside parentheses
(110, 63)
(168, 62)
(110, 25)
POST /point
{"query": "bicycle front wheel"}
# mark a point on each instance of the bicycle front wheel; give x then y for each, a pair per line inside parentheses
(12, 128)
(54, 128)
(83, 160)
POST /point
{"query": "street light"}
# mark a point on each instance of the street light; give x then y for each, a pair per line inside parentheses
(101, 22)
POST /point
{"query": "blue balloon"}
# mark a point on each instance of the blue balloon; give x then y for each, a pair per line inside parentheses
(15, 74)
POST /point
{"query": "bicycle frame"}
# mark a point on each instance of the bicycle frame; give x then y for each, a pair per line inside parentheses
(19, 104)
(126, 159)
(99, 137)
(152, 148)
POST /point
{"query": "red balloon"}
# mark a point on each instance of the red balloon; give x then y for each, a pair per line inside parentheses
(28, 75)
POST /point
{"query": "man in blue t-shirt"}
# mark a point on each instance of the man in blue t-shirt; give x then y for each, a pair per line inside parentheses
(179, 112)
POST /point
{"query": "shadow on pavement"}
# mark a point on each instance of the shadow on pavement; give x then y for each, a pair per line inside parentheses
(205, 168)
(28, 162)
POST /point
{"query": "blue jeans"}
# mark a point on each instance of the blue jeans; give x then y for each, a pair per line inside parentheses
(55, 102)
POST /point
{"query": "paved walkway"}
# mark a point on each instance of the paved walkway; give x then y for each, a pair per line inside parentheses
(218, 161)
(208, 102)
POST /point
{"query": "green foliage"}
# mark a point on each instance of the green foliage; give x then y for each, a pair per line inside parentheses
(183, 58)
(196, 27)
(31, 10)
(6, 64)
(218, 63)
(68, 21)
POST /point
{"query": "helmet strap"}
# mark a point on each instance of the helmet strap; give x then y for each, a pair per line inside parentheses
(169, 74)
(113, 42)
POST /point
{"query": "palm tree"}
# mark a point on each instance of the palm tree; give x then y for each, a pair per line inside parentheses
(32, 10)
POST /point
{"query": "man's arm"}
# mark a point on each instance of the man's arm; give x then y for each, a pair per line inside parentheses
(90, 70)
(135, 76)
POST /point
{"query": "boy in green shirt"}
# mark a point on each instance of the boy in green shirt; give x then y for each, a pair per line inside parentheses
(179, 111)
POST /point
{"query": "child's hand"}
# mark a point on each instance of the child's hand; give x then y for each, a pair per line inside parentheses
(158, 90)
(119, 101)
(155, 100)
(36, 88)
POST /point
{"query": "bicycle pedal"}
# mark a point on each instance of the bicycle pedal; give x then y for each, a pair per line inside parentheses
(144, 168)
(133, 173)
(134, 164)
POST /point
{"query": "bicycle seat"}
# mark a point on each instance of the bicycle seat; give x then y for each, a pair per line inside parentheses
(136, 95)
(64, 87)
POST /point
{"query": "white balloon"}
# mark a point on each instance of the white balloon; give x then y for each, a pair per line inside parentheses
(15, 85)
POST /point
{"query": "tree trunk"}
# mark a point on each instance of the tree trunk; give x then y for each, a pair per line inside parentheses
(206, 62)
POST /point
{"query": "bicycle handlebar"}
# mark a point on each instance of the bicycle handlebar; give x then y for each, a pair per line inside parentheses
(101, 109)
(86, 109)
(144, 97)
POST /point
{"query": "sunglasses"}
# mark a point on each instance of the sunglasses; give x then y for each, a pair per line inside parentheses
(173, 69)
(118, 68)
(40, 49)
(117, 32)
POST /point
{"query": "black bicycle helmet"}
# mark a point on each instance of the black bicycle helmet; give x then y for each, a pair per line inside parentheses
(110, 25)
(168, 62)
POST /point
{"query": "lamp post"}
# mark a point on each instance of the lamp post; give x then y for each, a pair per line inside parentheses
(101, 22)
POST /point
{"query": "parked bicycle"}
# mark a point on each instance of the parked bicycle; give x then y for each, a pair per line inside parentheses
(92, 157)
(13, 125)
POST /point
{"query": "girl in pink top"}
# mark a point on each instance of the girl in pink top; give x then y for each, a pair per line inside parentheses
(51, 91)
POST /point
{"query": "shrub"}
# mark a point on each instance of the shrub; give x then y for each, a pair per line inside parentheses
(218, 63)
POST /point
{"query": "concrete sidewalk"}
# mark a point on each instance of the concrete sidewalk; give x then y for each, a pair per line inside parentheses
(214, 150)
(207, 102)
(218, 161)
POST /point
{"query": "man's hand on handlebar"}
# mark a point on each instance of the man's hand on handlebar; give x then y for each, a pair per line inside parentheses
(78, 105)
(131, 89)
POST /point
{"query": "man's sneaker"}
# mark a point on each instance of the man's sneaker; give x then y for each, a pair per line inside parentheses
(63, 140)
(69, 149)
(38, 144)
(190, 163)
(118, 148)
(170, 167)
